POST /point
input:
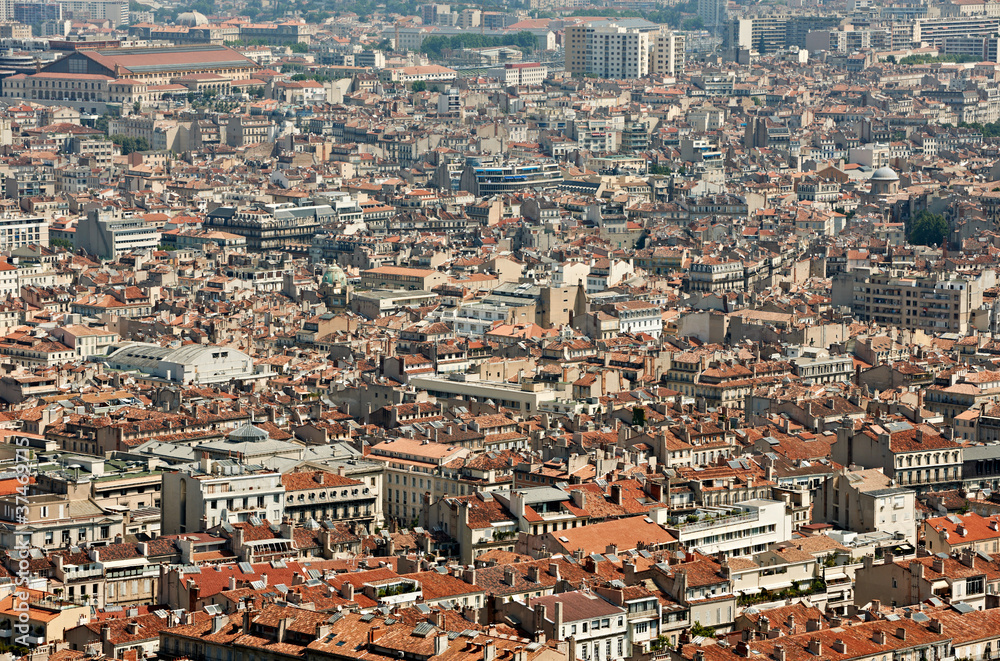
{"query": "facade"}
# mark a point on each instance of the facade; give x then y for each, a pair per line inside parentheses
(217, 492)
(934, 303)
(666, 54)
(491, 179)
(18, 231)
(271, 226)
(107, 236)
(751, 527)
(607, 50)
(866, 501)
(521, 73)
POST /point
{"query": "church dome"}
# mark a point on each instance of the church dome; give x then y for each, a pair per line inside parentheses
(885, 174)
(192, 19)
(335, 277)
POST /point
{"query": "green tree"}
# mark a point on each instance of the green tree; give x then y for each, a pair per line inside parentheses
(299, 47)
(698, 630)
(61, 243)
(129, 144)
(928, 229)
(639, 416)
(419, 86)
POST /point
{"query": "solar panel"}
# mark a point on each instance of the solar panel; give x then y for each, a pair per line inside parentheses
(368, 617)
(246, 568)
(963, 607)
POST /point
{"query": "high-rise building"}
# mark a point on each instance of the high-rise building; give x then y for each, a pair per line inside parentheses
(714, 14)
(31, 13)
(115, 11)
(666, 57)
(107, 236)
(607, 50)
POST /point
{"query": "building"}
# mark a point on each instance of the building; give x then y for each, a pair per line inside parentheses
(607, 50)
(913, 456)
(962, 532)
(219, 492)
(271, 226)
(491, 179)
(322, 495)
(105, 235)
(155, 66)
(115, 11)
(746, 528)
(191, 364)
(402, 278)
(666, 54)
(866, 501)
(937, 303)
(520, 73)
(18, 231)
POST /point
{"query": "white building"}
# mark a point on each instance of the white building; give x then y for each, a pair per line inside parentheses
(617, 52)
(599, 627)
(17, 231)
(639, 317)
(742, 529)
(220, 492)
(666, 55)
(106, 236)
(521, 73)
(190, 364)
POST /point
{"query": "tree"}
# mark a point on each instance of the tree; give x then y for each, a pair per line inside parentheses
(129, 144)
(698, 630)
(928, 229)
(419, 86)
(639, 416)
(299, 47)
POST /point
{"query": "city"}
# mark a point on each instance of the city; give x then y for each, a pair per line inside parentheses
(640, 330)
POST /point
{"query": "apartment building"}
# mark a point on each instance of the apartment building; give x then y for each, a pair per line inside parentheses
(744, 529)
(666, 55)
(607, 50)
(914, 457)
(220, 492)
(939, 303)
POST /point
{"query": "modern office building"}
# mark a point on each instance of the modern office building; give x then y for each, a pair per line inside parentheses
(484, 180)
(108, 236)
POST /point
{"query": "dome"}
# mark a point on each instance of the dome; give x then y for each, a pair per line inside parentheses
(885, 174)
(247, 433)
(192, 19)
(335, 276)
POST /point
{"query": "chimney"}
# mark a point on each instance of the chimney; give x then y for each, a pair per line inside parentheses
(489, 651)
(779, 653)
(219, 622)
(559, 618)
(901, 633)
(936, 626)
(105, 633)
(554, 570)
(839, 646)
(508, 576)
(876, 607)
(938, 565)
(878, 637)
(994, 525)
(791, 624)
(283, 628)
(816, 646)
(246, 620)
(440, 643)
(814, 624)
(533, 572)
(470, 575)
(742, 649)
